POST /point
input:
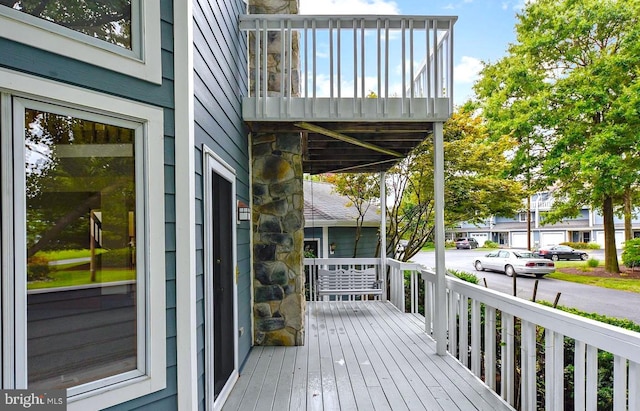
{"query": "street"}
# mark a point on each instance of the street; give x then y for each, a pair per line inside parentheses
(614, 303)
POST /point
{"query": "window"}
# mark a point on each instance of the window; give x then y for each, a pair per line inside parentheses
(120, 35)
(86, 265)
(522, 217)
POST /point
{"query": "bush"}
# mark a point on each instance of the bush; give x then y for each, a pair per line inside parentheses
(38, 268)
(582, 246)
(631, 253)
(593, 262)
(463, 275)
(449, 244)
(117, 258)
(490, 244)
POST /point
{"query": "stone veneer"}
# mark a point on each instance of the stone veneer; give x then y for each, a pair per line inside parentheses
(278, 206)
(278, 238)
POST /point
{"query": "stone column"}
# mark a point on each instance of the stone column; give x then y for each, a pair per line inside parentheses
(278, 204)
(278, 239)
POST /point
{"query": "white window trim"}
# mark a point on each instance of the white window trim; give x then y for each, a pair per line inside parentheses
(212, 162)
(114, 390)
(144, 62)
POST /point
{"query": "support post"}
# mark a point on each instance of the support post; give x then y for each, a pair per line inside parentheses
(383, 229)
(440, 321)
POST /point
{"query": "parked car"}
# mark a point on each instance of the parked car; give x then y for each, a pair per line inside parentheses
(562, 252)
(466, 242)
(515, 262)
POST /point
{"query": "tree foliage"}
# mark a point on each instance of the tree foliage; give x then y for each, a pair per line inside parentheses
(567, 91)
(475, 186)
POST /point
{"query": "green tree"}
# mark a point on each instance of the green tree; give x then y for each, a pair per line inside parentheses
(474, 190)
(565, 88)
(361, 190)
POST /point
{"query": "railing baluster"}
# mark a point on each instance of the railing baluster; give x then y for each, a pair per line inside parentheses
(450, 66)
(463, 344)
(554, 370)
(507, 355)
(339, 56)
(427, 63)
(362, 65)
(490, 346)
(306, 66)
(331, 84)
(592, 378)
(314, 107)
(404, 68)
(454, 346)
(282, 64)
(634, 385)
(528, 365)
(619, 383)
(412, 90)
(579, 386)
(475, 337)
(386, 67)
(354, 27)
(379, 70)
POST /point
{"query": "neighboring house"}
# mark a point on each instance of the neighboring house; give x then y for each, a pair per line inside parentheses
(330, 223)
(131, 133)
(588, 227)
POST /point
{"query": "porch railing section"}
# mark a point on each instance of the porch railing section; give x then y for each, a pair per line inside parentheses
(518, 347)
(330, 67)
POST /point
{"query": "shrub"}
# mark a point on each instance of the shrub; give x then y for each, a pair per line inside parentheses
(117, 258)
(449, 244)
(490, 244)
(631, 253)
(463, 275)
(593, 262)
(38, 268)
(582, 246)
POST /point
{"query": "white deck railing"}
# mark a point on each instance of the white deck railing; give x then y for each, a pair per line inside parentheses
(326, 67)
(473, 314)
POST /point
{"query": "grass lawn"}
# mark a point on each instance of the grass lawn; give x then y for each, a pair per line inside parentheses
(69, 278)
(624, 284)
(68, 254)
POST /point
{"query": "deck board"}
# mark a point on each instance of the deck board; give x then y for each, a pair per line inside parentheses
(358, 355)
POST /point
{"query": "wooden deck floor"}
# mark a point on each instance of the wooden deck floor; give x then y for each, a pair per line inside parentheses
(358, 356)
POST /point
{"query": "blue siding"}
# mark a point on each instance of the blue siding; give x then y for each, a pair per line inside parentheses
(220, 81)
(344, 237)
(55, 67)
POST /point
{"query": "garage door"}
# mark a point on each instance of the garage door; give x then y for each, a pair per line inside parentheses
(480, 237)
(519, 240)
(619, 238)
(551, 238)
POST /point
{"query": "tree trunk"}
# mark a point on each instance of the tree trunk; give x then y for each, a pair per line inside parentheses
(628, 231)
(610, 252)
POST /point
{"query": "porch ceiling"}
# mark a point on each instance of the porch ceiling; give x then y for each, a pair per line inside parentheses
(323, 153)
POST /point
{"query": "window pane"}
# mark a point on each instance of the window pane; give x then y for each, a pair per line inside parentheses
(81, 266)
(105, 20)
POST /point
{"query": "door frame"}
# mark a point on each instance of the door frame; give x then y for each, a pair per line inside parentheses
(213, 163)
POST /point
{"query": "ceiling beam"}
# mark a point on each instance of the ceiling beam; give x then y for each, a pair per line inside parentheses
(347, 139)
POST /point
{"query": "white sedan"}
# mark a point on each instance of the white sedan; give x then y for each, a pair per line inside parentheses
(516, 262)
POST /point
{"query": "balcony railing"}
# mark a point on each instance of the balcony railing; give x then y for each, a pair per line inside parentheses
(496, 336)
(328, 68)
(518, 347)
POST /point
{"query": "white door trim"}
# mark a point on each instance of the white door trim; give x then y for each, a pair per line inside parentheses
(212, 162)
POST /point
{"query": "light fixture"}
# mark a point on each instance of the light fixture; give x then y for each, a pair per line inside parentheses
(332, 248)
(244, 212)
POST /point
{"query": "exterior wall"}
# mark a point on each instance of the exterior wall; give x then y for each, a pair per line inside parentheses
(220, 73)
(344, 238)
(38, 62)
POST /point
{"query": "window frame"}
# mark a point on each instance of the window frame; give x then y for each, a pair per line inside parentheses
(143, 61)
(17, 89)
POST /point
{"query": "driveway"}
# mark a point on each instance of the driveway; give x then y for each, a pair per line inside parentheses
(614, 303)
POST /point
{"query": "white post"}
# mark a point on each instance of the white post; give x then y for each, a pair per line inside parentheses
(440, 321)
(383, 230)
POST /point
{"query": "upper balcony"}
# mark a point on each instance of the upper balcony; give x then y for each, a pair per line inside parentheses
(366, 89)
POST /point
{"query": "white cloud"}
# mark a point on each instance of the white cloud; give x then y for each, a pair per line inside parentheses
(338, 7)
(467, 70)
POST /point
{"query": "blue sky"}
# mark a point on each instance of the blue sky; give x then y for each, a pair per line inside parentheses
(482, 33)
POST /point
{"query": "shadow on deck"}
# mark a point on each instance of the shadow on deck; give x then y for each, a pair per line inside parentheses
(359, 355)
